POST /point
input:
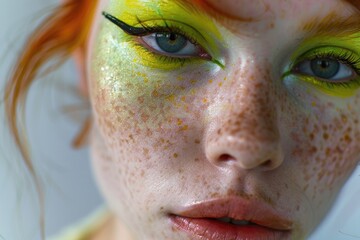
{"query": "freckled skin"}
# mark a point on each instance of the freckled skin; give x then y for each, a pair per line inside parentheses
(166, 139)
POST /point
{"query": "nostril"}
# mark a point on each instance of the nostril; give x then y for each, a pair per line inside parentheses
(225, 158)
(267, 163)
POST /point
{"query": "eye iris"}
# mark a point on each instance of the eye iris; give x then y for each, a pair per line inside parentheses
(325, 68)
(171, 42)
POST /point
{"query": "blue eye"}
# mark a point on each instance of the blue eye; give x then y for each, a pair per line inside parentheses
(326, 69)
(172, 44)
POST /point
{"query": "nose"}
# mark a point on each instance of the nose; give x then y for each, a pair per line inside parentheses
(246, 133)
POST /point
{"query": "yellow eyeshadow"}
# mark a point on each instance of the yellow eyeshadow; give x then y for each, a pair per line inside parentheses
(323, 45)
(351, 43)
(148, 12)
(150, 59)
(334, 91)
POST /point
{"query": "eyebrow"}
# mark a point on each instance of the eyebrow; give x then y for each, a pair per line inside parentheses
(333, 25)
(355, 3)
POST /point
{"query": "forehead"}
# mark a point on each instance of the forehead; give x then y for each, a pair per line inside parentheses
(245, 10)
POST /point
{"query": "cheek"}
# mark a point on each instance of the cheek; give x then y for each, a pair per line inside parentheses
(326, 145)
(145, 127)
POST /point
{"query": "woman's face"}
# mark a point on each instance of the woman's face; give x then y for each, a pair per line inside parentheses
(224, 119)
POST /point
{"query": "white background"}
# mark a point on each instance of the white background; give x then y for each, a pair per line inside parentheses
(70, 191)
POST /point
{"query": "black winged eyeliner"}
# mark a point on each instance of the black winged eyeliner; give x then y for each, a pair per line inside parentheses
(125, 27)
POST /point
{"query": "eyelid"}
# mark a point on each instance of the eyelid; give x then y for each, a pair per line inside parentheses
(303, 68)
(146, 30)
(343, 55)
(342, 89)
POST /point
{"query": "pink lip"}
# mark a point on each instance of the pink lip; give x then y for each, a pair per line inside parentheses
(200, 220)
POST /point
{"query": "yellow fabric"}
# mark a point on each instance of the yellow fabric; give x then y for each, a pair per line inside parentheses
(84, 229)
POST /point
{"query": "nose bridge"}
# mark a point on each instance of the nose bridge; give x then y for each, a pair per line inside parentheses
(247, 131)
(252, 103)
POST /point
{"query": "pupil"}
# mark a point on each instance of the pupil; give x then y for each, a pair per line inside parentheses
(324, 64)
(172, 36)
(325, 68)
(171, 42)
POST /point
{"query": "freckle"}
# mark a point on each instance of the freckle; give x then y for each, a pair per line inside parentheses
(144, 117)
(142, 173)
(347, 138)
(196, 160)
(320, 175)
(179, 122)
(193, 81)
(146, 151)
(311, 136)
(326, 136)
(141, 100)
(185, 127)
(344, 119)
(327, 151)
(183, 98)
(220, 84)
(313, 104)
(175, 155)
(171, 98)
(211, 81)
(155, 94)
(197, 141)
(313, 150)
(204, 100)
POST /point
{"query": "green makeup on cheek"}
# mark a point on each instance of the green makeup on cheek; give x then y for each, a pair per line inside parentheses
(120, 71)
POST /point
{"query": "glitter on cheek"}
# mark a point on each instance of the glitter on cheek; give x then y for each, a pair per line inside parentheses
(130, 90)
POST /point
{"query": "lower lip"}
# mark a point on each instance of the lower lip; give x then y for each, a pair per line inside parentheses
(209, 229)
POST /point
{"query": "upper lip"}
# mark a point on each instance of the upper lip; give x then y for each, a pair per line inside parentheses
(252, 210)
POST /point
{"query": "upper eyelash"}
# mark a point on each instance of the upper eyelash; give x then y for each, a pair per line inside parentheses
(345, 57)
(348, 58)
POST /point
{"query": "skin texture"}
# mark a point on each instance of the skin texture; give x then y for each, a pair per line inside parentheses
(168, 135)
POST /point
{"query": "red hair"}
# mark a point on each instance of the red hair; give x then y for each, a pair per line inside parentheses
(58, 37)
